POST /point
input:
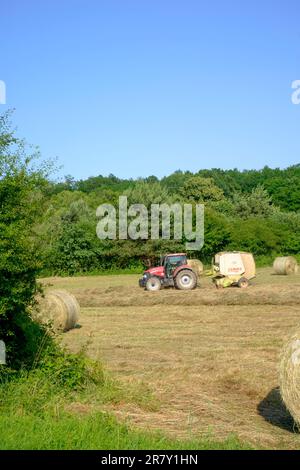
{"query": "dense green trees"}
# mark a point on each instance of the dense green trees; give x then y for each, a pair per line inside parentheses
(256, 210)
(257, 203)
(240, 214)
(201, 190)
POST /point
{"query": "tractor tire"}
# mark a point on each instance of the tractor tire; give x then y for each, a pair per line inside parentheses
(243, 283)
(153, 284)
(185, 280)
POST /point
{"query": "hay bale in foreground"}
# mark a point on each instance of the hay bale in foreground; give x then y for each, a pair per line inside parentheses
(196, 265)
(59, 309)
(285, 265)
(290, 376)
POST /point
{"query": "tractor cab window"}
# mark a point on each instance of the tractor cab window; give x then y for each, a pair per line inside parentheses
(172, 262)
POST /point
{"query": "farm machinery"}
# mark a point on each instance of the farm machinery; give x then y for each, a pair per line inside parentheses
(175, 270)
(234, 268)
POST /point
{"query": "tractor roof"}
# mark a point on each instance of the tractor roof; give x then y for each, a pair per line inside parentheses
(176, 254)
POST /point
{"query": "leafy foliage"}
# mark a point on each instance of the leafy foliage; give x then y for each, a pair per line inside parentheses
(200, 189)
(257, 203)
(255, 210)
(21, 185)
(240, 214)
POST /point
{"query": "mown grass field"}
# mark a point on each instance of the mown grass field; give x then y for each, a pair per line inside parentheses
(204, 363)
(65, 403)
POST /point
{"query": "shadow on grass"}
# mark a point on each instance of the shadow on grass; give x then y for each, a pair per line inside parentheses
(273, 410)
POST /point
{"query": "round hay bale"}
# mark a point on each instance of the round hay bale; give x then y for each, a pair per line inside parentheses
(285, 265)
(59, 309)
(290, 376)
(196, 266)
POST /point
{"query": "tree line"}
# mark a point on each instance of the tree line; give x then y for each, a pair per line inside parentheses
(253, 210)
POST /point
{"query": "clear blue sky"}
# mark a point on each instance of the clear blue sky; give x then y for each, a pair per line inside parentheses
(140, 87)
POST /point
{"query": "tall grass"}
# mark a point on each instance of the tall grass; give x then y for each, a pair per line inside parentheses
(58, 404)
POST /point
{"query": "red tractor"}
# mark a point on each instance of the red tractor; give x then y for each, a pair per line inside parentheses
(173, 271)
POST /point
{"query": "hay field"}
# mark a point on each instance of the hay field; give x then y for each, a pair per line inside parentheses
(208, 357)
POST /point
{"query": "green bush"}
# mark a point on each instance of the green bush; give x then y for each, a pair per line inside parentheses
(21, 184)
(69, 371)
(256, 235)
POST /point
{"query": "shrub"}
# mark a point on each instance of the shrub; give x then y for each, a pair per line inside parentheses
(21, 203)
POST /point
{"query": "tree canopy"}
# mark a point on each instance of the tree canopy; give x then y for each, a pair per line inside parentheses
(257, 210)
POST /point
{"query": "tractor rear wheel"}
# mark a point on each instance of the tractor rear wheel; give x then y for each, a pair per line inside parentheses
(185, 280)
(243, 282)
(153, 284)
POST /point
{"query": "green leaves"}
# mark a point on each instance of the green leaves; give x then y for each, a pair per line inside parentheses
(257, 203)
(21, 204)
(201, 190)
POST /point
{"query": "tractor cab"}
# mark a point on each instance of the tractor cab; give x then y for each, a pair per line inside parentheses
(171, 262)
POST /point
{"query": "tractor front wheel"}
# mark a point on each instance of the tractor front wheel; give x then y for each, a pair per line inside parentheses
(185, 280)
(153, 284)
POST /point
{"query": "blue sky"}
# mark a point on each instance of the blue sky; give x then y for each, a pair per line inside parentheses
(147, 87)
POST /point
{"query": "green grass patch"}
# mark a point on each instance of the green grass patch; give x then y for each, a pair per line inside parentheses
(58, 405)
(95, 431)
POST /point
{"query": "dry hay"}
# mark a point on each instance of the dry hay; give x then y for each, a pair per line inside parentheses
(220, 388)
(290, 375)
(249, 265)
(122, 296)
(59, 309)
(285, 265)
(196, 266)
